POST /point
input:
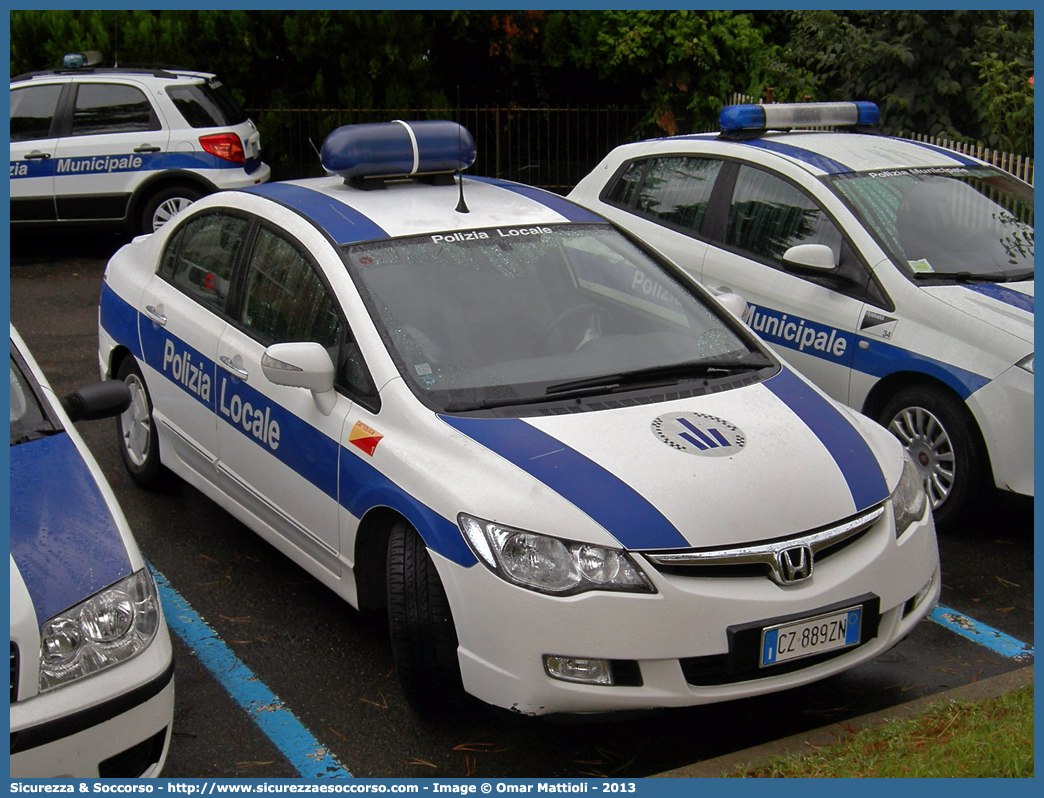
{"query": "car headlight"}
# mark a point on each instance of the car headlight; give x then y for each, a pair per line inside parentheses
(110, 627)
(551, 565)
(1026, 363)
(909, 498)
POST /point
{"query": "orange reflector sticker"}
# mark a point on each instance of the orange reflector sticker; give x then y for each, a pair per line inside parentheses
(364, 437)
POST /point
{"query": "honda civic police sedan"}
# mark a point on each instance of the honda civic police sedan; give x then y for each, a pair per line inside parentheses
(573, 479)
(92, 674)
(897, 276)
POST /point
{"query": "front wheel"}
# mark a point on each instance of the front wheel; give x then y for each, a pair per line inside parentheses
(163, 205)
(136, 430)
(944, 441)
(423, 638)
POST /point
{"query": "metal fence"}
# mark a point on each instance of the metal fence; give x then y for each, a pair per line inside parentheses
(548, 147)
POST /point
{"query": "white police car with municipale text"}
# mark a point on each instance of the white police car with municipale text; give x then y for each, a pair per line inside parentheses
(573, 479)
(897, 276)
(128, 146)
(92, 672)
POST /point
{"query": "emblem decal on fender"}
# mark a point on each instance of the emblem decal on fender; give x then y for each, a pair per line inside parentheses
(364, 438)
(698, 433)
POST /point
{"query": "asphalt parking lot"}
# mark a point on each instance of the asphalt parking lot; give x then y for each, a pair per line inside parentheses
(332, 667)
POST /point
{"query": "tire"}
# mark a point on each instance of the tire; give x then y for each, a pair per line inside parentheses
(136, 430)
(162, 206)
(939, 431)
(423, 638)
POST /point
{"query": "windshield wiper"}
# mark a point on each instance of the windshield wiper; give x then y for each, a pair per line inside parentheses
(970, 277)
(660, 375)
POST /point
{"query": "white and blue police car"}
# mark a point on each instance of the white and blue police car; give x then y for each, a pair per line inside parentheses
(572, 478)
(127, 146)
(92, 673)
(897, 276)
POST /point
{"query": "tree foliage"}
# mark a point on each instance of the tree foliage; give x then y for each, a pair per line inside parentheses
(962, 74)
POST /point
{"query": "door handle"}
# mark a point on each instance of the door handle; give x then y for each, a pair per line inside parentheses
(36, 155)
(147, 148)
(230, 366)
(156, 314)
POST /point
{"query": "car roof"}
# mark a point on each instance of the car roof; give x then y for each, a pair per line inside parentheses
(349, 213)
(818, 152)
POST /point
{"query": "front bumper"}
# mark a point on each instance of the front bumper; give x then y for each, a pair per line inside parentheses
(669, 638)
(97, 726)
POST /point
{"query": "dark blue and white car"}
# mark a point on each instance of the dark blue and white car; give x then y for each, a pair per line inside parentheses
(897, 276)
(126, 146)
(574, 480)
(92, 674)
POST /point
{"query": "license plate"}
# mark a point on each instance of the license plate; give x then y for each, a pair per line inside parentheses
(810, 636)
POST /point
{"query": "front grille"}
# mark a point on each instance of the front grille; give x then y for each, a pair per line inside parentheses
(740, 664)
(14, 673)
(767, 558)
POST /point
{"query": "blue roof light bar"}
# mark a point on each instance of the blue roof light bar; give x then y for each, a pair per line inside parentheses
(398, 149)
(784, 116)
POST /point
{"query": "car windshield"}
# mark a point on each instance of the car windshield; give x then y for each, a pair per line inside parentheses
(513, 315)
(28, 419)
(947, 224)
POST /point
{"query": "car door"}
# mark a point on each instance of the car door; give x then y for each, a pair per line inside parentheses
(182, 318)
(278, 449)
(113, 139)
(33, 147)
(810, 316)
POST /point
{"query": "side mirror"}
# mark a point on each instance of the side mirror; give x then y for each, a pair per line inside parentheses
(302, 365)
(97, 400)
(734, 304)
(815, 257)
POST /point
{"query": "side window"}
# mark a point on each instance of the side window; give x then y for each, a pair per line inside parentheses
(284, 300)
(200, 257)
(626, 187)
(769, 215)
(677, 190)
(111, 108)
(32, 110)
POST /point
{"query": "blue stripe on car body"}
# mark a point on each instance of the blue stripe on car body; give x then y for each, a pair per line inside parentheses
(1001, 293)
(343, 223)
(849, 449)
(879, 359)
(828, 165)
(119, 319)
(64, 538)
(608, 500)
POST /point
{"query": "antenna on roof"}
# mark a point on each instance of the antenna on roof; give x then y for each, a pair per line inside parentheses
(116, 39)
(462, 206)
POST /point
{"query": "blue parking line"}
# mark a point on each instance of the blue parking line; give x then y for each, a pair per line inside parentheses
(982, 634)
(310, 758)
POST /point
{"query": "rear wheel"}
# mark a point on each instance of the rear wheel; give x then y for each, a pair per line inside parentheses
(136, 431)
(944, 440)
(164, 204)
(423, 639)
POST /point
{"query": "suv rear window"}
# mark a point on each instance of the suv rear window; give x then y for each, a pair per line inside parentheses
(207, 105)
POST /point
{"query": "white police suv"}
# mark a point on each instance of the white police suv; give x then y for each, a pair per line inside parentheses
(92, 674)
(576, 482)
(897, 276)
(131, 146)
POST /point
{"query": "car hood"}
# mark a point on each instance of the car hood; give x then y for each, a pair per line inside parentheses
(64, 539)
(764, 461)
(1007, 306)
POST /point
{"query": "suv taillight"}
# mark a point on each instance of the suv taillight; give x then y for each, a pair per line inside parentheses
(226, 146)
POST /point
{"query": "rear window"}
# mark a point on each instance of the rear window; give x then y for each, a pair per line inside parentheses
(207, 105)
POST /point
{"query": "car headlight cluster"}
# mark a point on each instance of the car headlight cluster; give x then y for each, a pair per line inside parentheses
(909, 498)
(551, 565)
(110, 627)
(1026, 363)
